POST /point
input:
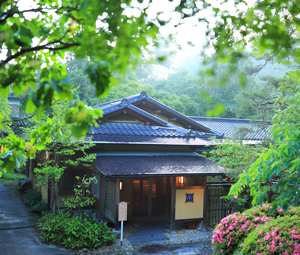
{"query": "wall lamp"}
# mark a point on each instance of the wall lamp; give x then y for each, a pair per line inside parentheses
(121, 185)
(181, 180)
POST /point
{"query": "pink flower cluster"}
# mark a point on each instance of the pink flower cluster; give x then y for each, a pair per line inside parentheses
(281, 238)
(234, 228)
(231, 233)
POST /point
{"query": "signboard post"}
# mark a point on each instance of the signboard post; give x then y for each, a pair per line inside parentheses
(122, 216)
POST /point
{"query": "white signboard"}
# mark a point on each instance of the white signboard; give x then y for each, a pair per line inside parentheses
(122, 211)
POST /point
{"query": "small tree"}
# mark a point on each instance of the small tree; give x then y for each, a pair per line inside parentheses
(62, 151)
(82, 196)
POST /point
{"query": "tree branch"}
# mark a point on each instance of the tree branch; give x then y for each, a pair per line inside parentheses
(41, 47)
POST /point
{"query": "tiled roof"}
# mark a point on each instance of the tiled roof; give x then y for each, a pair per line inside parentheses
(238, 128)
(135, 132)
(129, 101)
(155, 164)
(130, 128)
(139, 129)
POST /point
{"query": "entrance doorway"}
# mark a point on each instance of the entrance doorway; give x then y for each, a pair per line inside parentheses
(150, 197)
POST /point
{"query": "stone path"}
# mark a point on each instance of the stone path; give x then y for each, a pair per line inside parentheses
(17, 235)
(13, 212)
(202, 248)
(147, 232)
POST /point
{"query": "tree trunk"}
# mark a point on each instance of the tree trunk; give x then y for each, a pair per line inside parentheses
(270, 192)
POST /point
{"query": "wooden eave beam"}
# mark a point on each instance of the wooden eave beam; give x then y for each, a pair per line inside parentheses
(132, 113)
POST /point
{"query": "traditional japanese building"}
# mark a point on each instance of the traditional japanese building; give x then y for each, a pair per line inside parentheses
(148, 155)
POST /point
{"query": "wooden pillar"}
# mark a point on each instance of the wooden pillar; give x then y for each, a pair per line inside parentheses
(168, 198)
(204, 202)
(117, 201)
(100, 198)
(131, 200)
(150, 198)
(173, 203)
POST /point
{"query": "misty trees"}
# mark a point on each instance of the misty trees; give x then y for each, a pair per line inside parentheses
(257, 101)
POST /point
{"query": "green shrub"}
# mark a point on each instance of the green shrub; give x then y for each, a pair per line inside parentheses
(74, 232)
(32, 197)
(230, 234)
(279, 236)
(39, 207)
(14, 176)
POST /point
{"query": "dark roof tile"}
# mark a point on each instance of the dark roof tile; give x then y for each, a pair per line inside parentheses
(158, 164)
(238, 128)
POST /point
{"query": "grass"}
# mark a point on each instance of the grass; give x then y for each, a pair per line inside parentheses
(7, 179)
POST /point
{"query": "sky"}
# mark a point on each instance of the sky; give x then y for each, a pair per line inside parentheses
(190, 30)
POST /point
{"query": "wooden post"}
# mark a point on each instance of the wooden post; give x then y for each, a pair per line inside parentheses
(100, 198)
(117, 224)
(131, 200)
(173, 204)
(150, 198)
(168, 198)
(204, 203)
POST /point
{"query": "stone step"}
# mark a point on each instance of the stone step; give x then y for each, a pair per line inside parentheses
(9, 221)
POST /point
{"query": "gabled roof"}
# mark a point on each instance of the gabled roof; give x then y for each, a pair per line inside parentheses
(136, 100)
(238, 128)
(124, 106)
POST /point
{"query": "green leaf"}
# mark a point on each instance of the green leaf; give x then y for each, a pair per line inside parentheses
(30, 106)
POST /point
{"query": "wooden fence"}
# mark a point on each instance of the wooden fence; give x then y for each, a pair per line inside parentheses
(217, 208)
(68, 181)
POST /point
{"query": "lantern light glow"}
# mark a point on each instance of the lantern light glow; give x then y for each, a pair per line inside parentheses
(181, 180)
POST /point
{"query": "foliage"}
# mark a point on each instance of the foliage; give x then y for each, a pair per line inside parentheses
(236, 156)
(182, 90)
(82, 194)
(235, 227)
(39, 207)
(74, 232)
(63, 149)
(32, 197)
(35, 38)
(15, 176)
(8, 178)
(230, 234)
(270, 27)
(278, 169)
(5, 111)
(279, 236)
(258, 100)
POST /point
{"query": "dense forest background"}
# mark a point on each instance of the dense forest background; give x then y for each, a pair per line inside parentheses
(187, 89)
